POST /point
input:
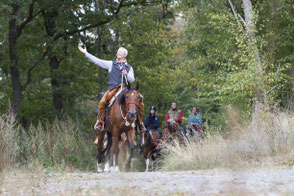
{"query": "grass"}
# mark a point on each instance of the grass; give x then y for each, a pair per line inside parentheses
(60, 145)
(267, 140)
(64, 144)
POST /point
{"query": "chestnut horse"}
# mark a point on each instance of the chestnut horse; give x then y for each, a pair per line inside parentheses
(171, 132)
(123, 119)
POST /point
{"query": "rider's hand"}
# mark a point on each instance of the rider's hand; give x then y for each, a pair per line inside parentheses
(171, 120)
(96, 125)
(83, 50)
(124, 72)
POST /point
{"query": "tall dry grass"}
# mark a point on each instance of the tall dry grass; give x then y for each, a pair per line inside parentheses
(61, 144)
(265, 141)
(8, 148)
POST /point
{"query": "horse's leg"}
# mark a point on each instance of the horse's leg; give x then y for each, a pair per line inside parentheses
(148, 159)
(131, 141)
(124, 152)
(100, 147)
(114, 151)
(106, 166)
(111, 154)
(147, 164)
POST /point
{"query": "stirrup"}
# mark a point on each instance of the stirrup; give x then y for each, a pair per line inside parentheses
(99, 126)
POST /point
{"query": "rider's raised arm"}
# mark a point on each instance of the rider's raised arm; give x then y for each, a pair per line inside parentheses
(131, 77)
(99, 62)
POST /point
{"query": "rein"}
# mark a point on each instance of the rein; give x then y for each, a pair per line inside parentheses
(127, 123)
(137, 104)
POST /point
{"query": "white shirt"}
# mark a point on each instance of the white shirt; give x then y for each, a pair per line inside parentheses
(108, 65)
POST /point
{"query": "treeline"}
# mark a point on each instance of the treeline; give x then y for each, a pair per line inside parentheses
(204, 53)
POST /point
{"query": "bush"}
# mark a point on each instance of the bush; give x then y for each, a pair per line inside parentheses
(59, 144)
(266, 140)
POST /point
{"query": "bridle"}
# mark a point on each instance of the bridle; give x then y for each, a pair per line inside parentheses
(137, 104)
(127, 123)
(143, 137)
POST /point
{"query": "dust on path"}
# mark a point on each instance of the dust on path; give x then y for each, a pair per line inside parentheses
(276, 181)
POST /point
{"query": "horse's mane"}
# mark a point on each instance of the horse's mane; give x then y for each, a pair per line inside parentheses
(121, 99)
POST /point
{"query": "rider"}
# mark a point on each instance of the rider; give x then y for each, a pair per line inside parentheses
(152, 121)
(194, 118)
(174, 115)
(116, 69)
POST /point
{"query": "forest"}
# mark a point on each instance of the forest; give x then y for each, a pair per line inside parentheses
(219, 56)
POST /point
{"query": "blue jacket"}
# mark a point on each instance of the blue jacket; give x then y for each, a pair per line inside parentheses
(194, 119)
(152, 122)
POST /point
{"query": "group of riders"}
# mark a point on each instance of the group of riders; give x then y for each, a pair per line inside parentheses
(121, 74)
(174, 115)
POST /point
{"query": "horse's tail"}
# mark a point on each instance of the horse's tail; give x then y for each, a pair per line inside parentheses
(106, 151)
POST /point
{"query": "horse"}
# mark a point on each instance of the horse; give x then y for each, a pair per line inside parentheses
(148, 147)
(123, 117)
(194, 132)
(172, 131)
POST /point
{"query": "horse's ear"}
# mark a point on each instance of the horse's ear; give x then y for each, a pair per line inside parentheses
(129, 86)
(137, 86)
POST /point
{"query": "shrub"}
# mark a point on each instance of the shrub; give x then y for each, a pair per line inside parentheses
(266, 140)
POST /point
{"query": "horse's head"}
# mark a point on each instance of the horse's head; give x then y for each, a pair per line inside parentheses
(132, 101)
(145, 137)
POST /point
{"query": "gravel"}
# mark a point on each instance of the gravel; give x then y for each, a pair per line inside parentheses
(273, 181)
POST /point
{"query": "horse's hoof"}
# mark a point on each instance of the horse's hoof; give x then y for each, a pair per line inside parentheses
(106, 167)
(116, 169)
(99, 171)
(111, 169)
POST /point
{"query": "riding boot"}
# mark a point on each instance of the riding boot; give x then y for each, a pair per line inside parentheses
(141, 112)
(99, 126)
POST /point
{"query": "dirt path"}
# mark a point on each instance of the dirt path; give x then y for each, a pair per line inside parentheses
(277, 181)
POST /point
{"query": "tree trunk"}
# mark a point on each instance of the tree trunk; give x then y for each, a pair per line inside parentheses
(50, 24)
(55, 83)
(13, 56)
(252, 42)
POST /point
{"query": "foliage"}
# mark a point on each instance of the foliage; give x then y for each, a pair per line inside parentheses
(194, 52)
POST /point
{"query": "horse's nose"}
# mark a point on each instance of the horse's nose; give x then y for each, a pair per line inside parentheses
(132, 114)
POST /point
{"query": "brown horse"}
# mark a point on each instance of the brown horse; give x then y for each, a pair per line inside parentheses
(195, 133)
(123, 119)
(171, 132)
(148, 147)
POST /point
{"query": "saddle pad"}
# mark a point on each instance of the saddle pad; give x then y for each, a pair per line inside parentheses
(115, 96)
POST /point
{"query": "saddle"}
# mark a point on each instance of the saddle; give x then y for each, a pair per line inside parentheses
(154, 137)
(110, 97)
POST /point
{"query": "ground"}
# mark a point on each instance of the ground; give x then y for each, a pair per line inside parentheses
(276, 181)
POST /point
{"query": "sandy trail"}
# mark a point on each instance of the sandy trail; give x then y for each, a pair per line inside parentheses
(276, 181)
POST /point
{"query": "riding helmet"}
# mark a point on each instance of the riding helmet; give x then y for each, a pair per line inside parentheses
(153, 108)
